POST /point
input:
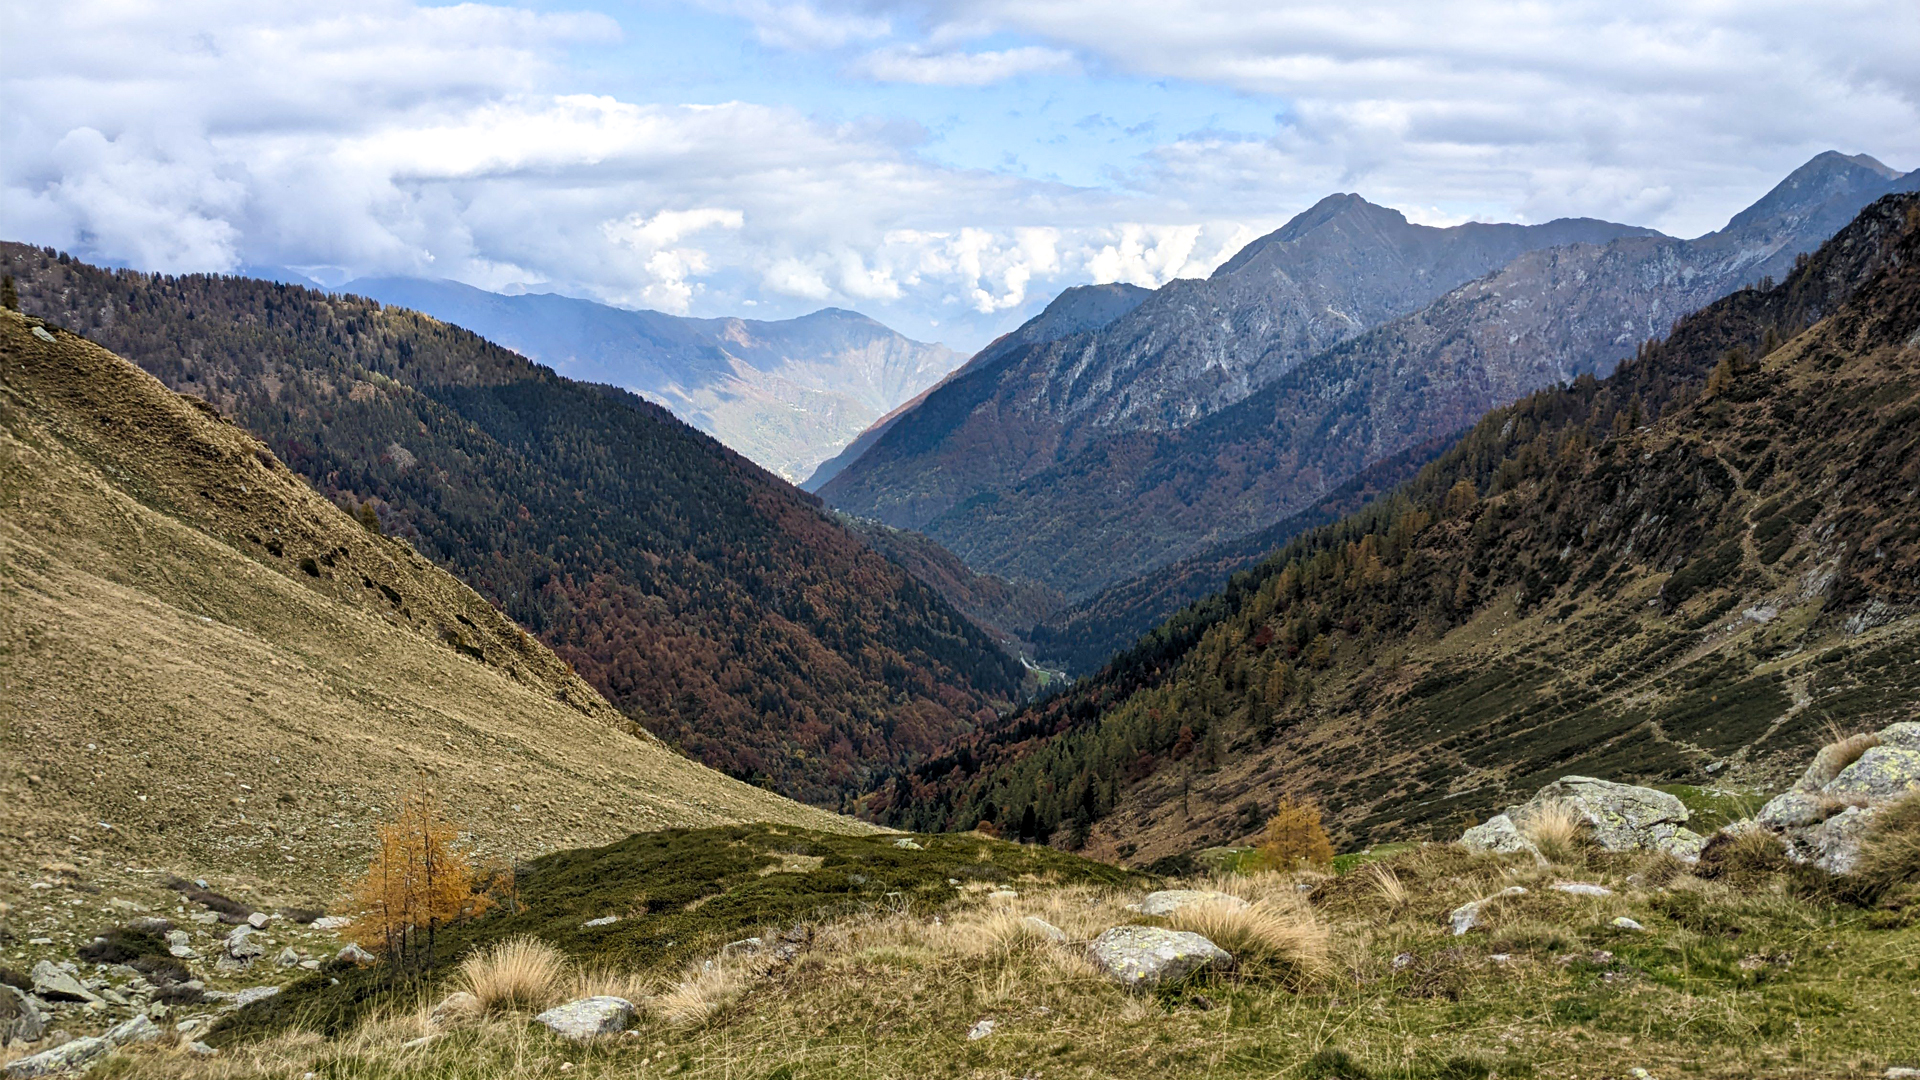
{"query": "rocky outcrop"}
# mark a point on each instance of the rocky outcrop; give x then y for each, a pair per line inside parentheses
(1825, 816)
(79, 1053)
(583, 1019)
(55, 984)
(1622, 817)
(1145, 957)
(20, 1017)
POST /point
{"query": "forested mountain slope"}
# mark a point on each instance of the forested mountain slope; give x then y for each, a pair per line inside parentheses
(709, 601)
(1698, 566)
(787, 394)
(208, 665)
(1102, 499)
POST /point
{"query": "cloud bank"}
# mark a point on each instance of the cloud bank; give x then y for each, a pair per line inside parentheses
(383, 137)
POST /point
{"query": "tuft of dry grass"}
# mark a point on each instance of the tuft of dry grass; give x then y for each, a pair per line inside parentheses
(1556, 830)
(518, 973)
(1273, 933)
(1835, 757)
(707, 987)
(1890, 853)
(1386, 881)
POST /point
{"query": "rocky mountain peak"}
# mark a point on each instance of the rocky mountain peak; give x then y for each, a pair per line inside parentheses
(1827, 176)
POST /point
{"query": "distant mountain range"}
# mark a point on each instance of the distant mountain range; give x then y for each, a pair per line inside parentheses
(1213, 409)
(787, 394)
(1693, 570)
(714, 604)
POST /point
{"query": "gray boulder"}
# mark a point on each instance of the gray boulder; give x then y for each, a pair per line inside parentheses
(250, 995)
(582, 1020)
(79, 1053)
(1904, 736)
(20, 1019)
(1499, 836)
(240, 943)
(1792, 810)
(354, 954)
(1168, 901)
(1884, 773)
(54, 984)
(67, 1057)
(1834, 844)
(1144, 957)
(1623, 817)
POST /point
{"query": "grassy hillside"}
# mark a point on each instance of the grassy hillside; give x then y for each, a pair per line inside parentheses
(1570, 589)
(1738, 970)
(204, 665)
(710, 602)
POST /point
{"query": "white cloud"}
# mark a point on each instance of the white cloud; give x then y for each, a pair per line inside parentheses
(904, 64)
(1666, 112)
(804, 26)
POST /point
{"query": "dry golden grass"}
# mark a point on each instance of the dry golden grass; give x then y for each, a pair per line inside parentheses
(1386, 881)
(1271, 933)
(707, 987)
(518, 973)
(1839, 753)
(1556, 830)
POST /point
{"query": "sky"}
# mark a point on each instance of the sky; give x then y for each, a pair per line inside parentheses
(945, 167)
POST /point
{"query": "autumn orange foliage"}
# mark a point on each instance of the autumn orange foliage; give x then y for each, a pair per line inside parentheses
(421, 878)
(1295, 837)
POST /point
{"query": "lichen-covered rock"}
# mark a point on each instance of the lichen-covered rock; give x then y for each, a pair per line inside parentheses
(1882, 774)
(1684, 844)
(1144, 957)
(1168, 901)
(1792, 810)
(583, 1019)
(67, 1057)
(1834, 844)
(1467, 915)
(1623, 817)
(1499, 836)
(1903, 736)
(140, 1029)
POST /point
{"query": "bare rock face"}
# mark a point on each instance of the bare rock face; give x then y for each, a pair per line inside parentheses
(1144, 957)
(582, 1020)
(79, 1053)
(54, 984)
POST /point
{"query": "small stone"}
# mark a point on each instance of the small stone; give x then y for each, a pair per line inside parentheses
(331, 922)
(140, 1029)
(287, 958)
(980, 1030)
(1003, 894)
(1624, 923)
(41, 333)
(200, 1049)
(1900, 1072)
(906, 844)
(1144, 957)
(455, 1009)
(258, 920)
(241, 946)
(1639, 1073)
(1168, 901)
(310, 965)
(1500, 957)
(250, 995)
(1034, 924)
(1580, 888)
(1403, 961)
(354, 954)
(1467, 916)
(604, 920)
(582, 1020)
